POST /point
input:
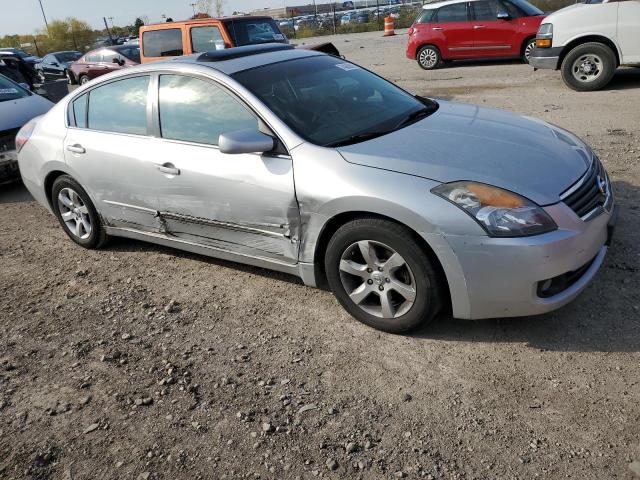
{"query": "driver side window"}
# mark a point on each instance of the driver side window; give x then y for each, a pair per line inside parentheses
(194, 110)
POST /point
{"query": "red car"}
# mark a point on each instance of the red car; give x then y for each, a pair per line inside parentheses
(103, 60)
(455, 30)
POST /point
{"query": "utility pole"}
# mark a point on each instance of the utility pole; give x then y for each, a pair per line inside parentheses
(44, 16)
(193, 5)
(108, 31)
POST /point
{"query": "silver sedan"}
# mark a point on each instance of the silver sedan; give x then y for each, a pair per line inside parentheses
(305, 163)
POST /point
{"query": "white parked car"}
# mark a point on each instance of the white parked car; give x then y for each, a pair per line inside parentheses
(587, 42)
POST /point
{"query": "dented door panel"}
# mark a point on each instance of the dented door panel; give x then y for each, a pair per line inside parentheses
(241, 203)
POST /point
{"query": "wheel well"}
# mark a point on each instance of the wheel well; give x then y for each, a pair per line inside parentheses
(339, 220)
(48, 184)
(524, 43)
(590, 38)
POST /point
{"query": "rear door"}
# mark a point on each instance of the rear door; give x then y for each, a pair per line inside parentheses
(493, 37)
(108, 151)
(629, 30)
(453, 23)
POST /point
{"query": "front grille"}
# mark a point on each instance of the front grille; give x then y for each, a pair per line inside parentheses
(8, 139)
(591, 192)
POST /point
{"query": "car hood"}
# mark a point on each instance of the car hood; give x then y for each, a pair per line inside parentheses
(15, 113)
(466, 142)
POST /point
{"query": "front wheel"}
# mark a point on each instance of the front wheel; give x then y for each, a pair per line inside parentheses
(527, 49)
(588, 67)
(76, 213)
(381, 276)
(429, 57)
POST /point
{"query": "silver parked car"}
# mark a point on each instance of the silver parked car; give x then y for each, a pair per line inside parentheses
(17, 106)
(305, 163)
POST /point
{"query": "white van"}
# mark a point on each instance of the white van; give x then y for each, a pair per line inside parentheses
(588, 41)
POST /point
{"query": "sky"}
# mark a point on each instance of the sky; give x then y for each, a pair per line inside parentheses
(24, 16)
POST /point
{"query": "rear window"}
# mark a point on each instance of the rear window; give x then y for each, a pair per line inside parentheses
(254, 31)
(162, 43)
(425, 16)
(10, 90)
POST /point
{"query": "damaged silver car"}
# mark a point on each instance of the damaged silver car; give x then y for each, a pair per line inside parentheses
(305, 163)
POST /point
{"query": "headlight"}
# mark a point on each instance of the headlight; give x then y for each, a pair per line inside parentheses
(544, 39)
(500, 212)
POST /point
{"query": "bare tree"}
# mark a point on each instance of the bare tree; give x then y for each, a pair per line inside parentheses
(219, 6)
(204, 6)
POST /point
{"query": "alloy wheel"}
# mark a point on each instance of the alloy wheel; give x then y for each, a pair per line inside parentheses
(587, 68)
(428, 57)
(74, 213)
(529, 50)
(377, 279)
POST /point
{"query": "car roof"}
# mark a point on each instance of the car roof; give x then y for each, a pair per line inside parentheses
(237, 59)
(434, 5)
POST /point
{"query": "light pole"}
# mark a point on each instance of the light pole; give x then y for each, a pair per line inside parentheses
(193, 5)
(44, 16)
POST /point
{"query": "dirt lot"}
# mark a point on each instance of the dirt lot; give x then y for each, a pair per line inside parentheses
(143, 362)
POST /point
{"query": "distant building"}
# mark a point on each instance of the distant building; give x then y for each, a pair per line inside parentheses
(288, 12)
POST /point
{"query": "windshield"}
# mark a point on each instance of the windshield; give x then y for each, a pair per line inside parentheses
(527, 8)
(68, 56)
(254, 31)
(10, 90)
(132, 53)
(329, 101)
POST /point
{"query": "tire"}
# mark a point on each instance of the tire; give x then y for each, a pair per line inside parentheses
(429, 57)
(362, 293)
(588, 67)
(527, 49)
(83, 79)
(80, 212)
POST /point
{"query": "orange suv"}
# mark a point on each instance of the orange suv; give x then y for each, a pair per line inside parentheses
(165, 40)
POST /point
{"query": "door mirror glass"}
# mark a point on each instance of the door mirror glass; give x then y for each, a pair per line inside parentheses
(502, 15)
(245, 141)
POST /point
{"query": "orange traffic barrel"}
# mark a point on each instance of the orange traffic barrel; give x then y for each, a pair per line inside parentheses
(388, 27)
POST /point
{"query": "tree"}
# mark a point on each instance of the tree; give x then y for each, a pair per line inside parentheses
(219, 7)
(136, 26)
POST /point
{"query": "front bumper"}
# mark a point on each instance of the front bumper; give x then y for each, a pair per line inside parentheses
(501, 277)
(9, 166)
(545, 58)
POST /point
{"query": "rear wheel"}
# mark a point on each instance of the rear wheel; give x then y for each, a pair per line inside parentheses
(588, 67)
(381, 276)
(527, 49)
(429, 57)
(83, 79)
(76, 214)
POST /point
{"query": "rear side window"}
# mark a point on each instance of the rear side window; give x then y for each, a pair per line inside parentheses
(425, 16)
(255, 31)
(486, 10)
(79, 111)
(206, 39)
(194, 110)
(120, 107)
(456, 12)
(162, 43)
(92, 57)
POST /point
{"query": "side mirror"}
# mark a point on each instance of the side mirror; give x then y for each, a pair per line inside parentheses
(249, 140)
(118, 61)
(503, 16)
(55, 64)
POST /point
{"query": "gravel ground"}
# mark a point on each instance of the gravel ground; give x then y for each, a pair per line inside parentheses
(143, 362)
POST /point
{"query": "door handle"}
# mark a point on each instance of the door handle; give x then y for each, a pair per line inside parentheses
(77, 148)
(168, 168)
(437, 28)
(476, 27)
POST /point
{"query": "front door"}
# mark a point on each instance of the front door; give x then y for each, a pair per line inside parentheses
(629, 30)
(494, 37)
(453, 23)
(243, 204)
(107, 150)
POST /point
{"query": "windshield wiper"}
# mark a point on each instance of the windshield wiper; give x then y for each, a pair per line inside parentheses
(417, 115)
(360, 137)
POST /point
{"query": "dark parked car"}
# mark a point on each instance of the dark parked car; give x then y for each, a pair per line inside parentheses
(55, 65)
(15, 68)
(29, 59)
(103, 60)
